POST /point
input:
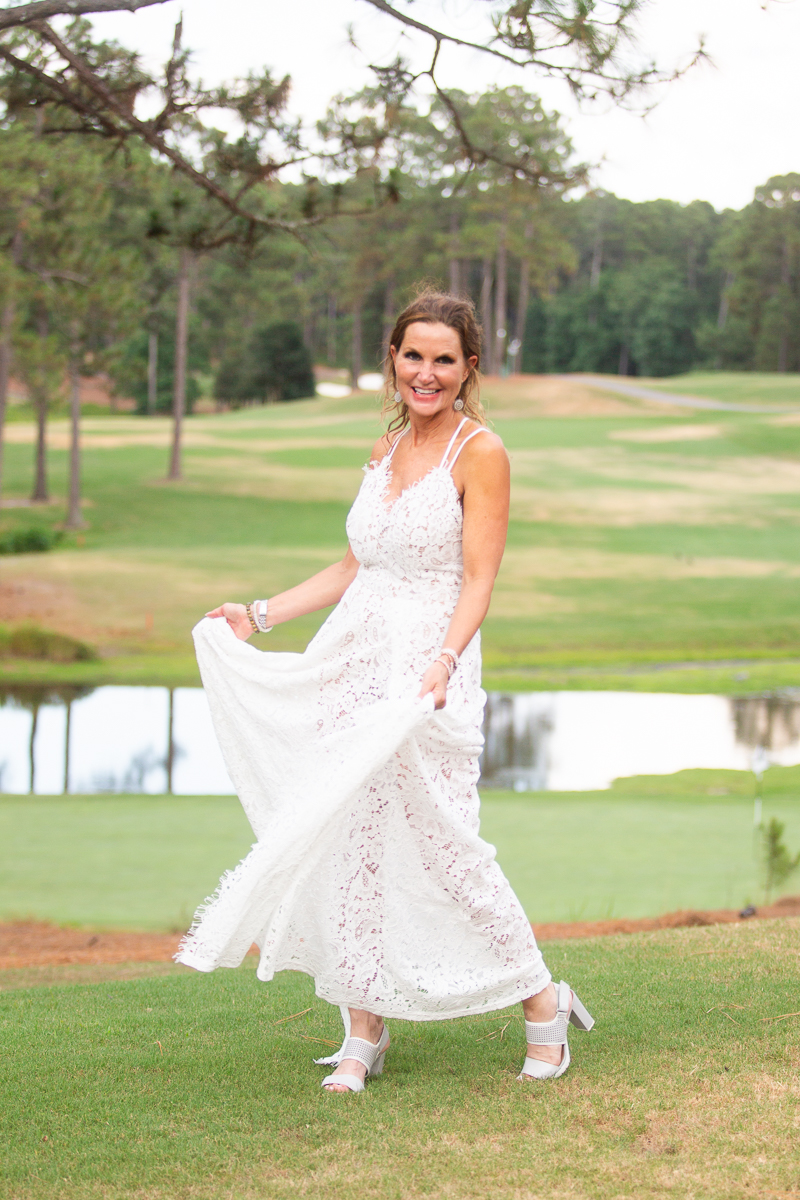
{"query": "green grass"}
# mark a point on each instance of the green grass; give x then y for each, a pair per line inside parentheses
(646, 847)
(622, 552)
(198, 1088)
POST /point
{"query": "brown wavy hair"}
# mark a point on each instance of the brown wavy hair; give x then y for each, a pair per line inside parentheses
(433, 308)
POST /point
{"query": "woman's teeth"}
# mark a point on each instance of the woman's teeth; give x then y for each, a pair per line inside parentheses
(424, 392)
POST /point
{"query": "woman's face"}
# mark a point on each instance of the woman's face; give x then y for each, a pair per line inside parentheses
(430, 367)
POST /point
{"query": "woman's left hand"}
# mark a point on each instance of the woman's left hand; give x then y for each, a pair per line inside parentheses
(435, 680)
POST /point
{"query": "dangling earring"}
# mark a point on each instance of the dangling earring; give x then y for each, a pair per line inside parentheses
(398, 399)
(459, 404)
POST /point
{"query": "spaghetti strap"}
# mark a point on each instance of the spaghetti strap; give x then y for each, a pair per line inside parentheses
(468, 438)
(387, 458)
(452, 440)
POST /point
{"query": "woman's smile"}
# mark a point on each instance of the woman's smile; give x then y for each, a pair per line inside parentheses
(429, 367)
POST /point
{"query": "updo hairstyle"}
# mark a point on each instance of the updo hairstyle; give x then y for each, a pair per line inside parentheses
(433, 308)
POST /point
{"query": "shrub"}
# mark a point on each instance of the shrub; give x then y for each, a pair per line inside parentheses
(28, 641)
(29, 541)
(274, 365)
(778, 864)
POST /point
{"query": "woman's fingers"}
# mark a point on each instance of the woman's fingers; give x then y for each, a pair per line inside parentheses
(435, 680)
(217, 612)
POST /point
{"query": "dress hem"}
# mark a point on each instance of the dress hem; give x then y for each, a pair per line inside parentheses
(390, 1012)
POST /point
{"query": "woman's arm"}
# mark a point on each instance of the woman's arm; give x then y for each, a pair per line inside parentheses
(320, 591)
(487, 482)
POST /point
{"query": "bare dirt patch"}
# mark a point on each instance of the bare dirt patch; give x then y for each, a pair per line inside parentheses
(789, 906)
(668, 433)
(27, 944)
(522, 569)
(551, 396)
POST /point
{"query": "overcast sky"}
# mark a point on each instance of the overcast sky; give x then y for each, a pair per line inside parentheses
(716, 135)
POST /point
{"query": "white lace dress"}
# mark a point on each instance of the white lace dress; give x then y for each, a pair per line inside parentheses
(368, 872)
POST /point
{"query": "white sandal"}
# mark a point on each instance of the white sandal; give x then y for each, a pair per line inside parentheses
(554, 1033)
(368, 1053)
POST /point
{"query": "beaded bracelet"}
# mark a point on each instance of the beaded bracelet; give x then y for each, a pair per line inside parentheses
(449, 659)
(249, 611)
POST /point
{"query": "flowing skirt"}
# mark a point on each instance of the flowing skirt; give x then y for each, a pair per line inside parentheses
(368, 872)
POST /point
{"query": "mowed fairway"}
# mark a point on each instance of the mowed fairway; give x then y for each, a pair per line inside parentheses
(642, 535)
(648, 846)
(187, 1087)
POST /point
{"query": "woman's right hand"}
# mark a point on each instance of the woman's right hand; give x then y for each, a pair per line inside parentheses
(236, 616)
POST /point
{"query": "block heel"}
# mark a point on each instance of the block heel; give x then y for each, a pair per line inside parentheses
(554, 1033)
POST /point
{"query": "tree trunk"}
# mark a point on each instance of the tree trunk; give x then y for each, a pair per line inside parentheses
(594, 276)
(501, 307)
(724, 303)
(455, 262)
(39, 397)
(786, 280)
(624, 359)
(331, 331)
(356, 351)
(74, 517)
(722, 314)
(523, 298)
(152, 372)
(597, 263)
(388, 317)
(39, 492)
(6, 328)
(486, 315)
(6, 325)
(66, 747)
(170, 760)
(32, 747)
(181, 346)
(691, 267)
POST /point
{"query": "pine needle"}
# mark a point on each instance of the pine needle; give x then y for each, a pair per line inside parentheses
(283, 1020)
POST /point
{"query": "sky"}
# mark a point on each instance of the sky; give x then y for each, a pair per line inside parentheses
(716, 134)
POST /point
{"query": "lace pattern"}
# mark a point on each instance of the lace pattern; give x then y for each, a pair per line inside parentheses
(369, 872)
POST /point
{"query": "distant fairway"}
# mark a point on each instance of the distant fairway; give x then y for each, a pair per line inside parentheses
(641, 534)
(649, 845)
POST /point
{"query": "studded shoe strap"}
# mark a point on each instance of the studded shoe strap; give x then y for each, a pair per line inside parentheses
(552, 1033)
(361, 1050)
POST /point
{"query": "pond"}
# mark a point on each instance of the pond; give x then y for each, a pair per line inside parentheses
(160, 740)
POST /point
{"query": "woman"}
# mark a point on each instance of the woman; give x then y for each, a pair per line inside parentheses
(357, 761)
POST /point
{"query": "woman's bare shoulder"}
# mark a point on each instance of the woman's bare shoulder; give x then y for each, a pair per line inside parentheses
(383, 446)
(485, 449)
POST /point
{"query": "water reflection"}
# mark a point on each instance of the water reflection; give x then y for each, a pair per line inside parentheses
(160, 740)
(109, 739)
(579, 741)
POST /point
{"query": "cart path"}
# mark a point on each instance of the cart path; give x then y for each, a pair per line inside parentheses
(608, 384)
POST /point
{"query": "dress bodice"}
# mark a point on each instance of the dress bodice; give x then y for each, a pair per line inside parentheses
(416, 536)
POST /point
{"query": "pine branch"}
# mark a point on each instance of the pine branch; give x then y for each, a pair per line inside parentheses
(42, 10)
(116, 120)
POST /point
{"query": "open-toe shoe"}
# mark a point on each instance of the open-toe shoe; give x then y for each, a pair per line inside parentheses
(370, 1055)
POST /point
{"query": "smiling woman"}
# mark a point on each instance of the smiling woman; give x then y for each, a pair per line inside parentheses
(435, 350)
(357, 761)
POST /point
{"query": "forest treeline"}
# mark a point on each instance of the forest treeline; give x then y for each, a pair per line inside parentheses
(106, 264)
